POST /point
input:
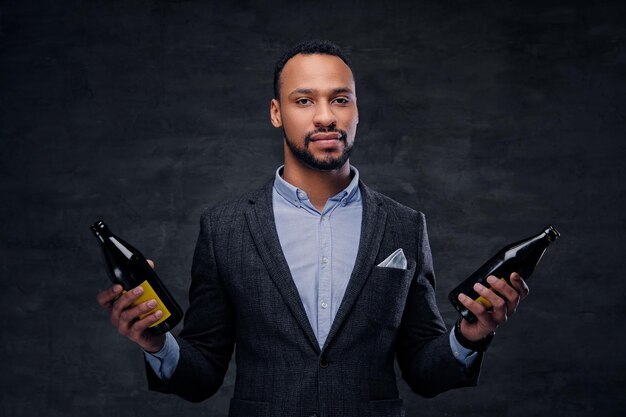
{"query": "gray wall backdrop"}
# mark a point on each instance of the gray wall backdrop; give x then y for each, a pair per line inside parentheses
(492, 118)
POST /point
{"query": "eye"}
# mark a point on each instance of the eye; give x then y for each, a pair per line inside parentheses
(341, 100)
(303, 101)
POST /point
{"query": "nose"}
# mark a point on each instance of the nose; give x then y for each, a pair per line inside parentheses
(324, 115)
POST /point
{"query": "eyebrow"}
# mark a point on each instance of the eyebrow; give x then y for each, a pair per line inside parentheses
(308, 91)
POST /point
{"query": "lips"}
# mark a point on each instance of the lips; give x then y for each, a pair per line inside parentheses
(319, 136)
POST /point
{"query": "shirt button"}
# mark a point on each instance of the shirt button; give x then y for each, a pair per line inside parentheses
(324, 260)
(324, 304)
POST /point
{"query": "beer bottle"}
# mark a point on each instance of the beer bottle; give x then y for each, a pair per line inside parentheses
(129, 268)
(521, 257)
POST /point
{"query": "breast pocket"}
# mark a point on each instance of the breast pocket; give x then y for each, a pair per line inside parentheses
(387, 292)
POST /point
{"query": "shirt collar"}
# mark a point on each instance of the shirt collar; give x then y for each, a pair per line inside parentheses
(296, 196)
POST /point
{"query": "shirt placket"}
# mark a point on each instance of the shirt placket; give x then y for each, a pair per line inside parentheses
(324, 297)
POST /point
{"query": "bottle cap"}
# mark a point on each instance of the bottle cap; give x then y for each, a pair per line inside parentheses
(552, 233)
(98, 226)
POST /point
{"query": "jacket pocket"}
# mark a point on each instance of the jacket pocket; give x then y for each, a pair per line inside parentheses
(386, 408)
(245, 408)
(388, 289)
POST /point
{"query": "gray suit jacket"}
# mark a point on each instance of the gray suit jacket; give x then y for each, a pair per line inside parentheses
(242, 294)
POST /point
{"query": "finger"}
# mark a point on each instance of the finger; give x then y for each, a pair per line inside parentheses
(502, 287)
(479, 310)
(499, 310)
(139, 327)
(484, 323)
(151, 262)
(107, 297)
(130, 316)
(510, 295)
(124, 302)
(520, 285)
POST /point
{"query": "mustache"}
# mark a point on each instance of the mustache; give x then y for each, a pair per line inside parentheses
(343, 135)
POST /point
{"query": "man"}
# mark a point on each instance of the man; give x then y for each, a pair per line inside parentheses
(319, 281)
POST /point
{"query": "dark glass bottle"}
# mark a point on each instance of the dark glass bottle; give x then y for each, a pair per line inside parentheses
(129, 268)
(521, 257)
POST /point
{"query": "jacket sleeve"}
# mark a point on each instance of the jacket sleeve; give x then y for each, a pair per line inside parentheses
(208, 337)
(423, 349)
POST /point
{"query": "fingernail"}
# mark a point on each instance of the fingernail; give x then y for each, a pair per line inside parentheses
(158, 314)
(478, 286)
(137, 290)
(117, 288)
(491, 279)
(152, 303)
(462, 297)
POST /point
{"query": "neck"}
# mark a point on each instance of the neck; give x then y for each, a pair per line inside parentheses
(318, 185)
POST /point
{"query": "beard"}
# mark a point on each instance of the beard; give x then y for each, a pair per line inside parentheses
(326, 163)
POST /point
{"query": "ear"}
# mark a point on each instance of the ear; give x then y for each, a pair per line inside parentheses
(275, 116)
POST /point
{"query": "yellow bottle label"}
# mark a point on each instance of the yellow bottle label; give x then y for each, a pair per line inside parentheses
(486, 303)
(147, 295)
(482, 300)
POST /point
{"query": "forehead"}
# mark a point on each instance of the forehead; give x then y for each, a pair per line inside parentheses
(315, 71)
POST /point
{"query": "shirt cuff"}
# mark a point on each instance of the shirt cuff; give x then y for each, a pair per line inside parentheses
(164, 362)
(464, 356)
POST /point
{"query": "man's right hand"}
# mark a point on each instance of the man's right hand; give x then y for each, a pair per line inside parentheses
(125, 317)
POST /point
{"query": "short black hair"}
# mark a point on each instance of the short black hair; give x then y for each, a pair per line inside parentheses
(309, 47)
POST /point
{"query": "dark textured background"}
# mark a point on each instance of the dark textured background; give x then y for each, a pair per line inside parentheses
(492, 118)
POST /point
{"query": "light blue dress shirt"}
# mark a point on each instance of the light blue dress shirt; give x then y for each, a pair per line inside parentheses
(321, 249)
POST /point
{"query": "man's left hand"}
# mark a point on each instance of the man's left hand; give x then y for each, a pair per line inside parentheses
(504, 299)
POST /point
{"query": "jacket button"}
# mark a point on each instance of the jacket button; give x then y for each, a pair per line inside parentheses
(313, 415)
(324, 362)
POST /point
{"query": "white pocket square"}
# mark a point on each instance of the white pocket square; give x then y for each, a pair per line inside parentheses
(395, 260)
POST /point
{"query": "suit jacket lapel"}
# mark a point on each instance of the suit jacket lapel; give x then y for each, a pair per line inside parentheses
(372, 227)
(260, 218)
